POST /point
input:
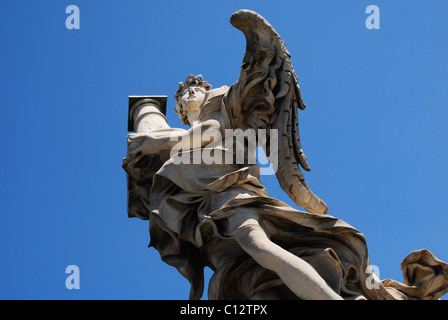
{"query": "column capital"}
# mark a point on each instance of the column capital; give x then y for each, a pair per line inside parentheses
(136, 101)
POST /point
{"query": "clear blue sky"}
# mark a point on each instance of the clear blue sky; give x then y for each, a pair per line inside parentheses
(374, 129)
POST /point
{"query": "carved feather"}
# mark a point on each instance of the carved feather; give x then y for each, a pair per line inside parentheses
(268, 96)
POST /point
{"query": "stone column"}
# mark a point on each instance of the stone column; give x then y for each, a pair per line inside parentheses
(147, 113)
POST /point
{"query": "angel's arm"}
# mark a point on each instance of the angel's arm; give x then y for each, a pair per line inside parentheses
(149, 143)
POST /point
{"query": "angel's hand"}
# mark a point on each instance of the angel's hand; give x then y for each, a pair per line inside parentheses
(141, 142)
(140, 145)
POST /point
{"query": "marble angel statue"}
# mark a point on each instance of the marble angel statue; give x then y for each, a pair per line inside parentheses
(219, 214)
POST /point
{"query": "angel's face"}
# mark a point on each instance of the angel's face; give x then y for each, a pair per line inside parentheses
(192, 98)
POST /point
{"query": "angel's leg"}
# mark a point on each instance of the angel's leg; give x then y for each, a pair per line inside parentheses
(300, 277)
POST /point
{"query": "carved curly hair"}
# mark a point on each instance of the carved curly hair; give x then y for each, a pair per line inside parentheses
(190, 81)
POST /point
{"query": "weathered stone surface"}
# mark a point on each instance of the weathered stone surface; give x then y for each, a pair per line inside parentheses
(201, 191)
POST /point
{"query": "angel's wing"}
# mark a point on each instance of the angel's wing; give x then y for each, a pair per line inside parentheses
(266, 96)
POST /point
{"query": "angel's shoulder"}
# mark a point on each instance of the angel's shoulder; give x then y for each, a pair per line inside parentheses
(212, 103)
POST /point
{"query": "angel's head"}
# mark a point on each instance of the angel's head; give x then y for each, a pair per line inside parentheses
(189, 98)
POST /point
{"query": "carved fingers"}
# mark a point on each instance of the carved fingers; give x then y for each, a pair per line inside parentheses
(139, 145)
